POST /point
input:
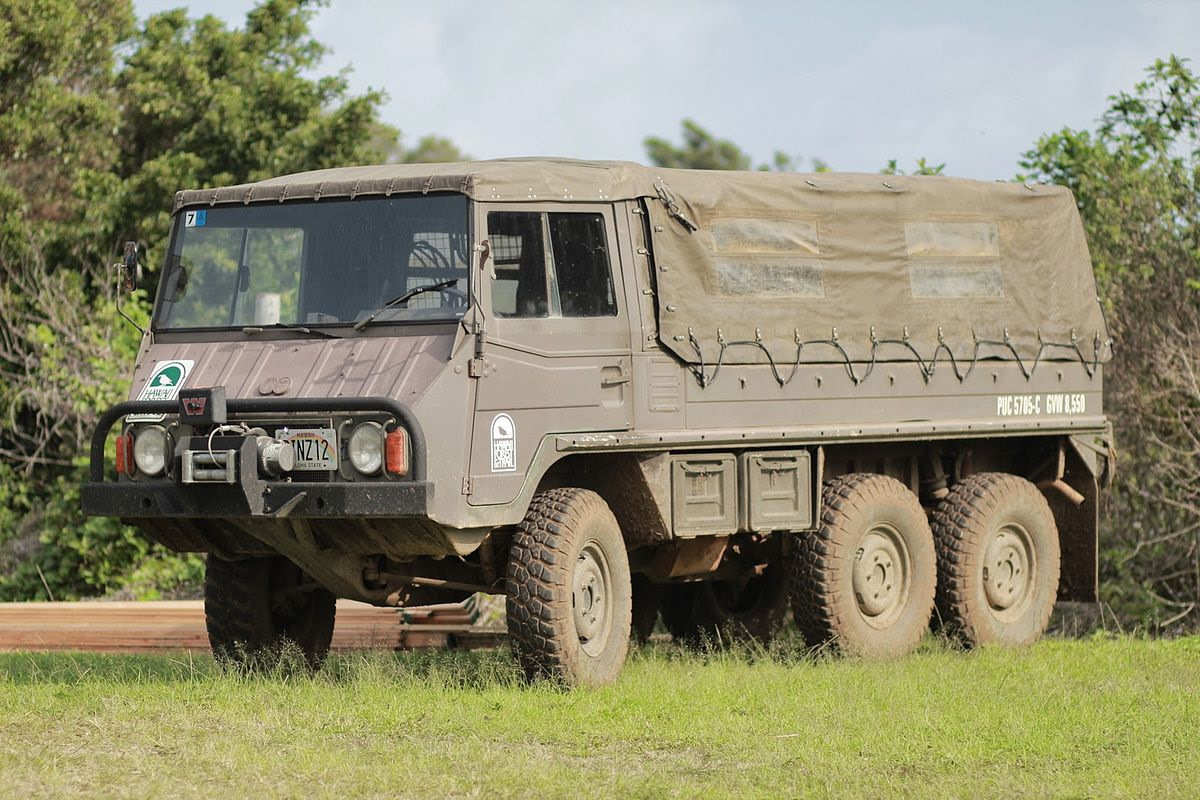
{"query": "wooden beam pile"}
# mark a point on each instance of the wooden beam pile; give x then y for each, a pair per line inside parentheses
(133, 627)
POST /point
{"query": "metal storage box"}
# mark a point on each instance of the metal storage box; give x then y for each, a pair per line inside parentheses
(779, 490)
(704, 494)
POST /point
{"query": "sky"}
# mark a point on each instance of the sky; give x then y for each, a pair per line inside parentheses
(969, 84)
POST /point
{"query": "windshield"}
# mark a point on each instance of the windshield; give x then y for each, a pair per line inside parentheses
(316, 263)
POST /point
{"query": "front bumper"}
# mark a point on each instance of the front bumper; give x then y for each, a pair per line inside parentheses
(132, 499)
(252, 495)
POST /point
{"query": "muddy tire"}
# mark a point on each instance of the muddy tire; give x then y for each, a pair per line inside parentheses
(569, 597)
(998, 560)
(678, 613)
(255, 607)
(864, 583)
(647, 597)
(750, 608)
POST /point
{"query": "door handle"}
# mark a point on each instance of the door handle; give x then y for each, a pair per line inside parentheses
(614, 375)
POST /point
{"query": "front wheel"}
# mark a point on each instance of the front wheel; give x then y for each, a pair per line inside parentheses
(255, 607)
(569, 597)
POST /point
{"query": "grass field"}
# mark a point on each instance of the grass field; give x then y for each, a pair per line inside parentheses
(1108, 717)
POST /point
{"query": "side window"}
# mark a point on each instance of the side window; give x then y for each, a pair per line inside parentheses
(585, 287)
(520, 288)
(550, 265)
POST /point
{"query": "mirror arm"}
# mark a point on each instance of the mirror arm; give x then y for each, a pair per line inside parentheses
(121, 311)
(127, 279)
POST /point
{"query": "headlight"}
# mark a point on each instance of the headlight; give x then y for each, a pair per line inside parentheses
(366, 448)
(150, 450)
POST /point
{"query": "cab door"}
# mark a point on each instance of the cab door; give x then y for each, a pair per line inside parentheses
(557, 355)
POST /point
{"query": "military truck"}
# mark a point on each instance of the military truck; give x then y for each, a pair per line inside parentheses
(608, 392)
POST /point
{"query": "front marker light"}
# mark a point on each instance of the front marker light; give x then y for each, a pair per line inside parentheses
(150, 450)
(125, 454)
(397, 452)
(366, 448)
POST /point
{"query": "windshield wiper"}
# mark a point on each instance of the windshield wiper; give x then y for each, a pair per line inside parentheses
(288, 326)
(404, 298)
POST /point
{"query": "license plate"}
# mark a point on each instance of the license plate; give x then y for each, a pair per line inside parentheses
(315, 448)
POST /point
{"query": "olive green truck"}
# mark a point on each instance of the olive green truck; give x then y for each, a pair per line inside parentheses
(612, 392)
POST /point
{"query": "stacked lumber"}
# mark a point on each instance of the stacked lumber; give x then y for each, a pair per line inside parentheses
(133, 627)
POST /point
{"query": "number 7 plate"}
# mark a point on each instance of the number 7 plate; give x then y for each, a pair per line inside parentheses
(315, 448)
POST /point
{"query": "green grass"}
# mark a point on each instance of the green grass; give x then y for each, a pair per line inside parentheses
(1108, 717)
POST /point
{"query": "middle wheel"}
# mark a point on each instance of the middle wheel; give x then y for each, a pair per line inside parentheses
(748, 607)
(864, 582)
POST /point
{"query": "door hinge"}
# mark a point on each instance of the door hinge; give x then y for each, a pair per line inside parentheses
(475, 368)
(466, 486)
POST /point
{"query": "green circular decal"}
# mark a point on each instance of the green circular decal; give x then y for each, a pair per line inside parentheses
(169, 375)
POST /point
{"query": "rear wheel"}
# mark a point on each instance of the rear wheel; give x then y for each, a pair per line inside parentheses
(864, 582)
(254, 607)
(998, 560)
(568, 593)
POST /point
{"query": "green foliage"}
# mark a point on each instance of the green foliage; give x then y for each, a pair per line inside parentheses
(387, 146)
(205, 106)
(101, 122)
(923, 168)
(700, 150)
(1136, 178)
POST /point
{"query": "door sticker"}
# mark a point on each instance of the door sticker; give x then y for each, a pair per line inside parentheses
(504, 444)
(166, 380)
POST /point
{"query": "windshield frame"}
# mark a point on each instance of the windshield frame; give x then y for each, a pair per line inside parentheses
(283, 332)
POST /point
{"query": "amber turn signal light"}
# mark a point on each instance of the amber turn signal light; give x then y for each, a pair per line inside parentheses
(125, 454)
(396, 450)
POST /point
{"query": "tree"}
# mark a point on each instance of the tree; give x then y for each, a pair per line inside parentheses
(923, 168)
(93, 149)
(1136, 178)
(387, 146)
(700, 150)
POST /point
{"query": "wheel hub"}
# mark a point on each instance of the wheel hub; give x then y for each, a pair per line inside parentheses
(591, 599)
(881, 573)
(1008, 568)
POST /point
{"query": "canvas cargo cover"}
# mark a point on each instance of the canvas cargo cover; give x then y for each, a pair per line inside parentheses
(824, 267)
(889, 267)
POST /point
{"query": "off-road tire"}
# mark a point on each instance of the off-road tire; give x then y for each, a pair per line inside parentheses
(968, 524)
(757, 610)
(863, 516)
(253, 608)
(677, 608)
(726, 611)
(569, 534)
(647, 598)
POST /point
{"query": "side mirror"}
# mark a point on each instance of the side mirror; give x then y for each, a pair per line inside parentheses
(178, 285)
(129, 271)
